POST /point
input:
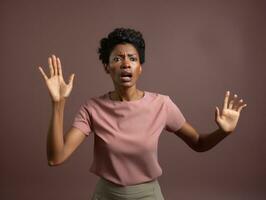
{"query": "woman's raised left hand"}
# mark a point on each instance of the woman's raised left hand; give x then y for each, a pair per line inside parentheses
(228, 117)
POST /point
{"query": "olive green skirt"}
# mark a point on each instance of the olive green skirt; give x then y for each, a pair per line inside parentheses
(106, 190)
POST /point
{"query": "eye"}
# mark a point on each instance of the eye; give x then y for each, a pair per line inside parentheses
(116, 59)
(133, 59)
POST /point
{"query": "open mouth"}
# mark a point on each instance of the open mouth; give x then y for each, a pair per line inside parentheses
(126, 76)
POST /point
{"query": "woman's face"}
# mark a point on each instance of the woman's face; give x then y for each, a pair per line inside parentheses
(124, 65)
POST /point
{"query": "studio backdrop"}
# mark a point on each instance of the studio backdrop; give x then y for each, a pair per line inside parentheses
(195, 51)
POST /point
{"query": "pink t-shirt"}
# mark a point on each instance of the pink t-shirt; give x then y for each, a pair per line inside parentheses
(126, 135)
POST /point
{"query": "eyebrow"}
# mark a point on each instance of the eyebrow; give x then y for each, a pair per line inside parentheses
(129, 54)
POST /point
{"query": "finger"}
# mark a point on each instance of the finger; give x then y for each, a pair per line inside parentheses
(231, 104)
(71, 78)
(240, 102)
(43, 74)
(51, 66)
(55, 65)
(59, 67)
(227, 94)
(241, 107)
(217, 113)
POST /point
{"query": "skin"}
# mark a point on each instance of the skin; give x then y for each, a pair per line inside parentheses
(124, 57)
(59, 146)
(226, 119)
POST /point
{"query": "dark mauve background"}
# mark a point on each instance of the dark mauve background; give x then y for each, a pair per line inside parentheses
(196, 50)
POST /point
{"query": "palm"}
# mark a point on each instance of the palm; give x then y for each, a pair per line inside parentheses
(58, 89)
(229, 116)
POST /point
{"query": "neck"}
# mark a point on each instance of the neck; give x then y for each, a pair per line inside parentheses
(127, 94)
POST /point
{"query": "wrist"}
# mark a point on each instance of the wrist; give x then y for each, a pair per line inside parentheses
(59, 103)
(222, 131)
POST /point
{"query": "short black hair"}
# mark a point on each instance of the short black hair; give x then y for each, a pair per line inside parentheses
(121, 36)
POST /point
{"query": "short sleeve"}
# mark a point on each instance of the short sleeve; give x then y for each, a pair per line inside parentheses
(174, 117)
(82, 120)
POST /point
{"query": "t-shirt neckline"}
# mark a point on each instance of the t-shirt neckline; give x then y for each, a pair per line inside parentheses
(107, 95)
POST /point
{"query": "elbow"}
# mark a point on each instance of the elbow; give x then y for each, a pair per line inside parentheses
(52, 163)
(200, 148)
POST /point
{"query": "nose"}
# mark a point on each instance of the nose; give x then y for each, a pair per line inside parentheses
(126, 63)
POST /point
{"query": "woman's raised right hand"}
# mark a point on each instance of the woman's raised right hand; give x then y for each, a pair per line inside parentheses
(58, 89)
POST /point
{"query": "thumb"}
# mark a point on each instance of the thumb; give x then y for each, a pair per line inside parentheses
(71, 78)
(217, 113)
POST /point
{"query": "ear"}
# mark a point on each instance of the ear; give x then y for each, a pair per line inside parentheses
(140, 70)
(107, 68)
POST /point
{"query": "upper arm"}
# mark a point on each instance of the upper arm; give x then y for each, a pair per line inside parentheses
(72, 139)
(188, 134)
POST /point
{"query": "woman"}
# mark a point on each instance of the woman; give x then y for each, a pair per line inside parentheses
(127, 122)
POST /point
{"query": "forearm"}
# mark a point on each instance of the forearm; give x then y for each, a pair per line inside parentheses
(208, 141)
(55, 139)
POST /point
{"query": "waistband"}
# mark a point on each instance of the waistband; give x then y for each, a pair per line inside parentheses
(107, 186)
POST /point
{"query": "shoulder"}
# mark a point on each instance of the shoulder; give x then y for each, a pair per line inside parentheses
(162, 96)
(89, 101)
(97, 100)
(167, 99)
